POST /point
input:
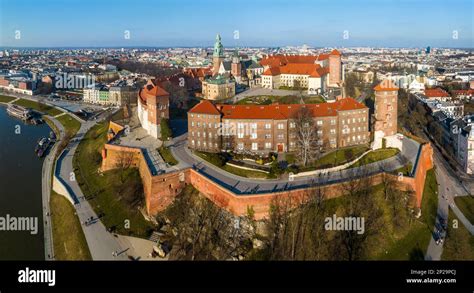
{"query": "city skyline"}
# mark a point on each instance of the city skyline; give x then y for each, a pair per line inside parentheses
(190, 24)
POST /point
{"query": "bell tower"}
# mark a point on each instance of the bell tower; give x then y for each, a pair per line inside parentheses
(218, 55)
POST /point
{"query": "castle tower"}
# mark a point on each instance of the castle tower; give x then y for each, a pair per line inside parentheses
(335, 68)
(236, 67)
(386, 105)
(218, 55)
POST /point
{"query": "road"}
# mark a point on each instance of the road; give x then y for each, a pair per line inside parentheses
(449, 186)
(244, 186)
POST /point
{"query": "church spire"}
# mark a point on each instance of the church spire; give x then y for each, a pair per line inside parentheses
(218, 48)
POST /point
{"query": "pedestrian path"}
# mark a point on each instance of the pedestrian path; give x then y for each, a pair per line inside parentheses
(59, 115)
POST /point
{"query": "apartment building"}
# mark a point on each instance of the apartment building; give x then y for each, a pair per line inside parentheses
(272, 128)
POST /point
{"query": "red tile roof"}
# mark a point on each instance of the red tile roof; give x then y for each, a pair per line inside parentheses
(335, 52)
(205, 107)
(386, 85)
(280, 60)
(313, 70)
(151, 89)
(436, 93)
(275, 111)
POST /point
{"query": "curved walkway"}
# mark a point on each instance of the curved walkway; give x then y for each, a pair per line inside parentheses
(101, 243)
(46, 175)
(242, 186)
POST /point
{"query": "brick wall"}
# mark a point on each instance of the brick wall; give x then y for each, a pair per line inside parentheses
(160, 190)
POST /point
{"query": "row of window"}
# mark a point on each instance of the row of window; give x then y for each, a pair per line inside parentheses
(353, 120)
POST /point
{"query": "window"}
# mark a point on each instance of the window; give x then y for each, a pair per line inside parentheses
(267, 136)
(292, 125)
(280, 136)
(268, 126)
(254, 146)
(192, 123)
(192, 142)
(240, 135)
(199, 124)
(333, 121)
(199, 134)
(253, 125)
(240, 125)
(320, 132)
(268, 145)
(192, 133)
(210, 134)
(204, 134)
(319, 122)
(333, 131)
(253, 135)
(240, 146)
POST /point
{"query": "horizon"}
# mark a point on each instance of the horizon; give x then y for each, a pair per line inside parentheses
(187, 24)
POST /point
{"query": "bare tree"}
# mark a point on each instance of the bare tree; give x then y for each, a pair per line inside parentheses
(306, 133)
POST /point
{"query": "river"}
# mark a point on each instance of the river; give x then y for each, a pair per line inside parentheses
(20, 187)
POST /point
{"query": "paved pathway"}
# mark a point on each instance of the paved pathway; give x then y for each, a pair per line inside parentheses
(48, 165)
(101, 243)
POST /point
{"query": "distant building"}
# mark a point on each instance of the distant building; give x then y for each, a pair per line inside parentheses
(314, 73)
(437, 94)
(153, 105)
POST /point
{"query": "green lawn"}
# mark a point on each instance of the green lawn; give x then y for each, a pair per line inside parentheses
(166, 132)
(38, 107)
(117, 202)
(167, 156)
(459, 243)
(405, 170)
(314, 100)
(69, 240)
(219, 161)
(415, 242)
(466, 205)
(245, 173)
(5, 99)
(70, 124)
(375, 156)
(335, 158)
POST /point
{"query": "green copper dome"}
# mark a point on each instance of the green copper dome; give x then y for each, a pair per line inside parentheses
(218, 48)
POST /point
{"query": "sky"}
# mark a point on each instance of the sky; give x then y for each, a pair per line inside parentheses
(259, 23)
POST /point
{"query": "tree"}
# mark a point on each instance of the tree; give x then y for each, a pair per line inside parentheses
(204, 231)
(350, 244)
(306, 133)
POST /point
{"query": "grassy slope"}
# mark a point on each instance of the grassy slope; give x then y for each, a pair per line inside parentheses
(415, 242)
(70, 124)
(336, 158)
(377, 155)
(466, 205)
(459, 243)
(99, 190)
(69, 240)
(167, 156)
